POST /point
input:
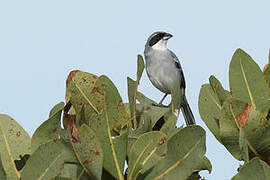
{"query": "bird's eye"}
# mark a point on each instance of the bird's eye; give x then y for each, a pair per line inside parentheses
(155, 39)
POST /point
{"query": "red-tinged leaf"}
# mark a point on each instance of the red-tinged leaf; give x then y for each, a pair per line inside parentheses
(243, 117)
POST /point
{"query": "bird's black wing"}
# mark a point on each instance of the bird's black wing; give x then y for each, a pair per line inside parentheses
(186, 110)
(178, 66)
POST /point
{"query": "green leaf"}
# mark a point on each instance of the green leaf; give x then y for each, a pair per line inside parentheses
(247, 82)
(150, 114)
(204, 164)
(133, 88)
(69, 171)
(169, 127)
(108, 124)
(2, 172)
(49, 129)
(132, 98)
(221, 93)
(105, 176)
(185, 151)
(44, 167)
(61, 178)
(120, 143)
(266, 74)
(82, 175)
(258, 135)
(176, 99)
(254, 169)
(243, 144)
(229, 129)
(47, 161)
(256, 131)
(89, 152)
(194, 176)
(14, 142)
(140, 68)
(80, 91)
(269, 56)
(88, 96)
(114, 150)
(142, 151)
(266, 70)
(209, 108)
(56, 109)
(144, 100)
(118, 115)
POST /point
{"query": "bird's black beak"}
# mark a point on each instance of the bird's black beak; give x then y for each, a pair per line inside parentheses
(167, 36)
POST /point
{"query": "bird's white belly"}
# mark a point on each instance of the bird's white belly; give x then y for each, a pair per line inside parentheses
(161, 78)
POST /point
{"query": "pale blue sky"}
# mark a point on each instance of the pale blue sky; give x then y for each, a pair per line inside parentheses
(41, 41)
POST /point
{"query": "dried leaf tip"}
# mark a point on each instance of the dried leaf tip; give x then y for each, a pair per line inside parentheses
(70, 76)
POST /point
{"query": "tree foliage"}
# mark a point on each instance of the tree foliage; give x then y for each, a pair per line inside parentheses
(239, 118)
(101, 134)
(95, 135)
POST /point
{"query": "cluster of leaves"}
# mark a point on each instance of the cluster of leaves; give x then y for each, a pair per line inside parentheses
(239, 118)
(156, 148)
(101, 134)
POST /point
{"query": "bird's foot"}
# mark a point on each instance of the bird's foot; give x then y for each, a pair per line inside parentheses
(159, 105)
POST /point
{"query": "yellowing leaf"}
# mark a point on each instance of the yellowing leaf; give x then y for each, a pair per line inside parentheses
(247, 81)
(89, 152)
(14, 142)
(185, 152)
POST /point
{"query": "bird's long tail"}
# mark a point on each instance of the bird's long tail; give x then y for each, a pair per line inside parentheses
(187, 113)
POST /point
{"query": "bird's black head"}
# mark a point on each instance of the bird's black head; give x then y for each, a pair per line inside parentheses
(157, 36)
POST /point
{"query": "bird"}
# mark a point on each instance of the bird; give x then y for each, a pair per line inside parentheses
(164, 70)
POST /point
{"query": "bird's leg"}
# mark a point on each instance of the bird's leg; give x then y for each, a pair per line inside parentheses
(160, 103)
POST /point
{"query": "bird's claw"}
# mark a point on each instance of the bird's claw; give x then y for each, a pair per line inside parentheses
(160, 105)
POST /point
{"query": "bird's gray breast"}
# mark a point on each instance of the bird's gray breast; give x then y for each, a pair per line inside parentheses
(161, 69)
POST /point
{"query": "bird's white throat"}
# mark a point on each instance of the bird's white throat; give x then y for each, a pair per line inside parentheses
(160, 45)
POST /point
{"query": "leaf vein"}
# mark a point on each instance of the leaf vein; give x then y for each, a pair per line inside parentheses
(88, 101)
(47, 169)
(9, 152)
(178, 162)
(120, 175)
(248, 88)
